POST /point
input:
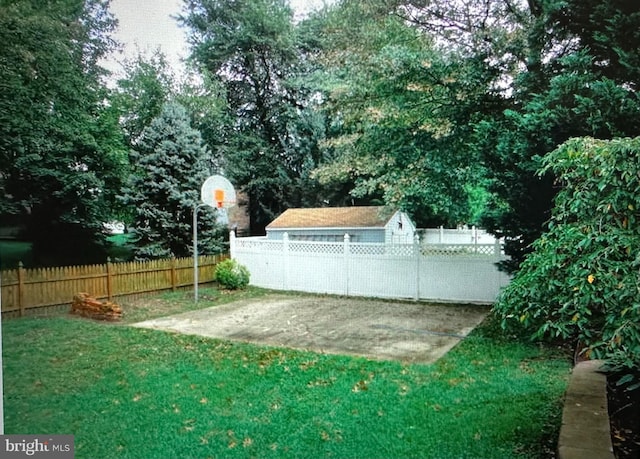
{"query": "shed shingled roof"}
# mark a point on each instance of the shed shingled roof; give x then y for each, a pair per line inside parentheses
(333, 217)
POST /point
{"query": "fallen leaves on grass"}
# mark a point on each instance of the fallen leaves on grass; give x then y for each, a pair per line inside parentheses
(322, 382)
(335, 435)
(363, 384)
(404, 389)
(360, 386)
(307, 364)
(188, 425)
(233, 442)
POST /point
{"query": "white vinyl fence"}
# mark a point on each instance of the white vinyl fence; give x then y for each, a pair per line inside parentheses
(435, 272)
(461, 235)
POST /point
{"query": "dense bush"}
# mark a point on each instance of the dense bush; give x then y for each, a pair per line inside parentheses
(581, 282)
(232, 275)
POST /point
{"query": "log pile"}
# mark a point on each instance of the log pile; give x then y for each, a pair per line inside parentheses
(85, 305)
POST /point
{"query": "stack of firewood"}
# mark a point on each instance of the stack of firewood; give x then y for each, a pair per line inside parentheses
(85, 305)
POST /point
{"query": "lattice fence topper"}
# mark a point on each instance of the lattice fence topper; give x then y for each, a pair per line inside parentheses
(401, 250)
(316, 247)
(366, 249)
(262, 244)
(459, 249)
(398, 250)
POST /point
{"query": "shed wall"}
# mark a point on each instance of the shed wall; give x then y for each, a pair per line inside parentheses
(328, 234)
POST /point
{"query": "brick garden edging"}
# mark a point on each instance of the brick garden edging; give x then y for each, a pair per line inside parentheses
(585, 430)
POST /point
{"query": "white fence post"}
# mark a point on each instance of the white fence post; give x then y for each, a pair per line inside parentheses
(474, 238)
(286, 262)
(418, 256)
(497, 249)
(232, 244)
(346, 251)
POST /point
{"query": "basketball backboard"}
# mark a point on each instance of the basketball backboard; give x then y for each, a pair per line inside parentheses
(217, 191)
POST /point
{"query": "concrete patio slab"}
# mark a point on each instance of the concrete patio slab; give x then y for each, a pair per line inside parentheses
(377, 329)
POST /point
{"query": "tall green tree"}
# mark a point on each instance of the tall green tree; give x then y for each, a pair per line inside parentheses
(147, 84)
(250, 47)
(60, 152)
(204, 98)
(171, 164)
(400, 112)
(135, 101)
(561, 69)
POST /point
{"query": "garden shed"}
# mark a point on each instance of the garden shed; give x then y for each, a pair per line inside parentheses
(362, 224)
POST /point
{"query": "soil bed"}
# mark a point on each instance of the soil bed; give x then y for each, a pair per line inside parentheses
(624, 414)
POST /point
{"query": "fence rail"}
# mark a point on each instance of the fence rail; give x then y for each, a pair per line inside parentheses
(26, 289)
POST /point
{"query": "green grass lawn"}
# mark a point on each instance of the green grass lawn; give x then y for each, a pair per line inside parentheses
(12, 252)
(137, 393)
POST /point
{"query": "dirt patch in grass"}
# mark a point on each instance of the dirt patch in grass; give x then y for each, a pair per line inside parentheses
(396, 330)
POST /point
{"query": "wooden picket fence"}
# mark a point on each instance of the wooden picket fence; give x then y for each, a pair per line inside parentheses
(24, 290)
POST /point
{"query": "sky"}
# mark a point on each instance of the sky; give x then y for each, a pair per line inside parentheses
(147, 25)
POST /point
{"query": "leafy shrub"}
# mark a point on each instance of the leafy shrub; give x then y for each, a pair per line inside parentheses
(581, 281)
(232, 275)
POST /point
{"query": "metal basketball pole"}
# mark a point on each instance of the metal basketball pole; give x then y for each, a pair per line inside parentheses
(195, 251)
(218, 193)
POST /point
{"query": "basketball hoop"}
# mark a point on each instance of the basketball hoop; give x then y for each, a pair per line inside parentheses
(218, 192)
(218, 197)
